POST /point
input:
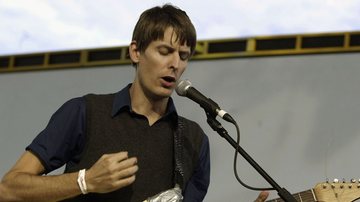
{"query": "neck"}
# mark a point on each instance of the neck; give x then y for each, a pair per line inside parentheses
(153, 109)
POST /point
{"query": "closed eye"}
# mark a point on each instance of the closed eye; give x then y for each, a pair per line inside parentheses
(184, 55)
(165, 50)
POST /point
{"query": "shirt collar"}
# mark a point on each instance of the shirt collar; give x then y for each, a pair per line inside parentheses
(122, 101)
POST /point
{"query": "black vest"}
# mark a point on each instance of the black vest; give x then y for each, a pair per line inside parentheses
(158, 171)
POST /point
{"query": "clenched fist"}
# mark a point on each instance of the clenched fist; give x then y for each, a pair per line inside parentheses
(111, 172)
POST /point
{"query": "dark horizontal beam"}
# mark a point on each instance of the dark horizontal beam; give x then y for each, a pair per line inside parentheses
(205, 49)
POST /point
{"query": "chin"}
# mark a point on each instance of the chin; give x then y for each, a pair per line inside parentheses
(166, 93)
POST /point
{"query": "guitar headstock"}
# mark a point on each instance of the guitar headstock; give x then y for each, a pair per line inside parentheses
(337, 191)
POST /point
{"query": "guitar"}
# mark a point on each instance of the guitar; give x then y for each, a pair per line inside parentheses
(328, 192)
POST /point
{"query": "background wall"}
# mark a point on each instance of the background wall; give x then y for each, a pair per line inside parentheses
(298, 115)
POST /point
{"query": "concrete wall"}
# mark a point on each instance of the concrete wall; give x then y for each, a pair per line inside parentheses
(298, 115)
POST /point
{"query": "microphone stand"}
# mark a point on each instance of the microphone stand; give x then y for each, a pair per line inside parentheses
(216, 126)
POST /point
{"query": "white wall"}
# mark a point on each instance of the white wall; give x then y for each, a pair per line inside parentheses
(298, 115)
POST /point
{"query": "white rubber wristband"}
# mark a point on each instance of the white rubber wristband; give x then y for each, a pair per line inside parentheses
(81, 181)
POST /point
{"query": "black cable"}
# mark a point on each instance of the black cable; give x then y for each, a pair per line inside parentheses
(216, 126)
(235, 163)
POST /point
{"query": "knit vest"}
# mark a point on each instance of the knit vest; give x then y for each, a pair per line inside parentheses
(104, 135)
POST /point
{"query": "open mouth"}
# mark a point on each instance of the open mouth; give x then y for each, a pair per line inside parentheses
(169, 79)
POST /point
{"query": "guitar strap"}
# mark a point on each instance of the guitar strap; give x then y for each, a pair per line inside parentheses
(174, 195)
(179, 172)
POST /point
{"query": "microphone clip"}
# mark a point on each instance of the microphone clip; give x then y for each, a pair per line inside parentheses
(215, 124)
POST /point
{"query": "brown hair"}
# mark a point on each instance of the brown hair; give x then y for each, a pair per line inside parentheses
(154, 21)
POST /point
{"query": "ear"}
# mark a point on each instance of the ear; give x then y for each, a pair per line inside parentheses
(134, 52)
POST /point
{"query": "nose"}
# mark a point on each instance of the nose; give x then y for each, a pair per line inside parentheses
(175, 60)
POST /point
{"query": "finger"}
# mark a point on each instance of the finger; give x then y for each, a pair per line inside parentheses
(109, 159)
(119, 156)
(262, 196)
(127, 172)
(121, 165)
(120, 160)
(124, 182)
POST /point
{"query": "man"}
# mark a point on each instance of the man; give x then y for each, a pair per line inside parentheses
(127, 146)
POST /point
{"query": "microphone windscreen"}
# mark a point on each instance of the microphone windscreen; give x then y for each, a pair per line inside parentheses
(182, 86)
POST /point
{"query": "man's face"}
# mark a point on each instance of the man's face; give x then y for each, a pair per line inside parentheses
(161, 65)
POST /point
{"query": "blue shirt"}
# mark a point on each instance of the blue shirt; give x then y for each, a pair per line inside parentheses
(63, 139)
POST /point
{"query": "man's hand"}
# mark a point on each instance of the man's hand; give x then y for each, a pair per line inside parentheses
(111, 172)
(262, 196)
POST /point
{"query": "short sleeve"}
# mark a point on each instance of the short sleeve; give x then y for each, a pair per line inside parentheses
(63, 137)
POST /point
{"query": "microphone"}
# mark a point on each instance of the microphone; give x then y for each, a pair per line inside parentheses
(185, 89)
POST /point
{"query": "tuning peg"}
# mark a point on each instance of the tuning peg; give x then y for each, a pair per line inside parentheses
(343, 182)
(353, 180)
(335, 181)
(326, 183)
